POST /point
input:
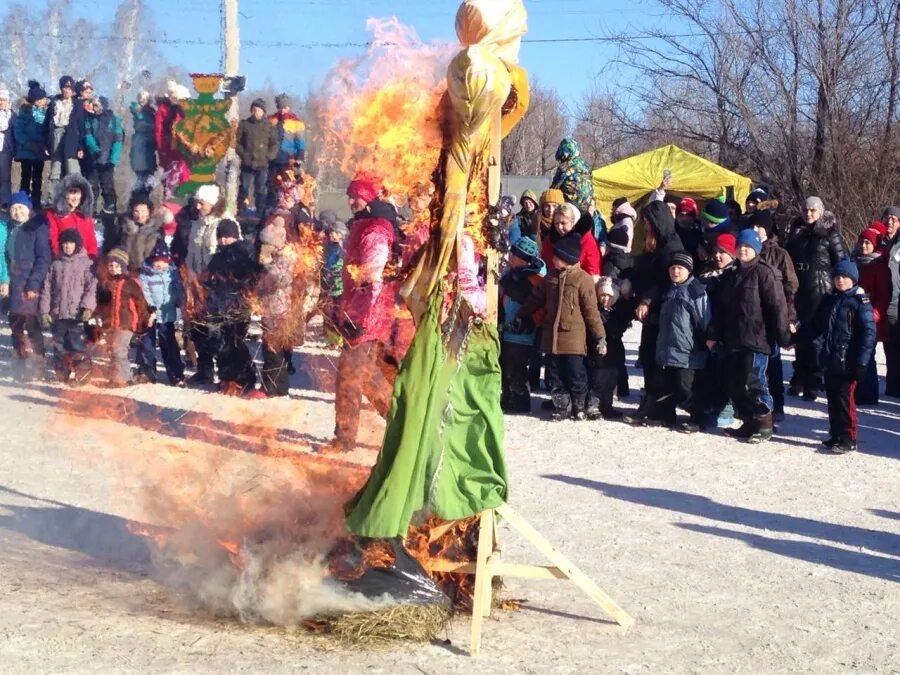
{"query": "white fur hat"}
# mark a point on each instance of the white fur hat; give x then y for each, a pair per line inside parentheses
(178, 92)
(208, 194)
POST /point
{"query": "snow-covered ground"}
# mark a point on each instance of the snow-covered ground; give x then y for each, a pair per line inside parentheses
(732, 558)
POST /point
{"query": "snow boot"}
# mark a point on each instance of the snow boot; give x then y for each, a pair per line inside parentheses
(844, 446)
(763, 429)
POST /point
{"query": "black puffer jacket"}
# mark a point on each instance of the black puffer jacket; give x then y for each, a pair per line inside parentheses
(749, 310)
(814, 249)
(231, 275)
(651, 270)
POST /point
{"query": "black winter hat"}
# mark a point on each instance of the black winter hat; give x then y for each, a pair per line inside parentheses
(568, 248)
(35, 91)
(71, 235)
(66, 81)
(618, 236)
(228, 228)
(763, 219)
(682, 259)
(258, 103)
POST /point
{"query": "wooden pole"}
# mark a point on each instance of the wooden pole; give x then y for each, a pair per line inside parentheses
(232, 67)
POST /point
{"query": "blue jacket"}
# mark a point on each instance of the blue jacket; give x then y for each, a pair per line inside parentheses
(31, 258)
(163, 290)
(28, 130)
(845, 331)
(516, 286)
(684, 318)
(104, 137)
(4, 254)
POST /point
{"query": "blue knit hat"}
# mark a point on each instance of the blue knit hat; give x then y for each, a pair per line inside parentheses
(525, 248)
(21, 197)
(846, 268)
(568, 248)
(751, 239)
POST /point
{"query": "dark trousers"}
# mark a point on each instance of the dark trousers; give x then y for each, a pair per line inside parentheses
(27, 337)
(254, 181)
(362, 371)
(162, 334)
(746, 374)
(867, 388)
(32, 180)
(807, 375)
(6, 159)
(775, 376)
(678, 386)
(892, 352)
(275, 376)
(233, 357)
(68, 349)
(710, 390)
(206, 344)
(515, 395)
(604, 379)
(568, 381)
(841, 393)
(654, 375)
(102, 180)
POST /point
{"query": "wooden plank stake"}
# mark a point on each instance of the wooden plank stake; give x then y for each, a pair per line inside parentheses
(482, 579)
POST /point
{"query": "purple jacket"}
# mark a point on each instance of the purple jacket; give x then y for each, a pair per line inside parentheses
(70, 287)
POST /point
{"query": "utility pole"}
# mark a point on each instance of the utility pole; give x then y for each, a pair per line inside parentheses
(232, 67)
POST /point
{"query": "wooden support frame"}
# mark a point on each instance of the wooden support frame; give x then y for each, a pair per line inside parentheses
(488, 564)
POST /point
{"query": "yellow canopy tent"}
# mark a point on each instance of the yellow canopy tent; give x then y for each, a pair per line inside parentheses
(692, 176)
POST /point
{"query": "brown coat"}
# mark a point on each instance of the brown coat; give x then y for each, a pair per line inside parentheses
(121, 305)
(570, 311)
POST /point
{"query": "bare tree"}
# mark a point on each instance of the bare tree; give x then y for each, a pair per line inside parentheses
(530, 149)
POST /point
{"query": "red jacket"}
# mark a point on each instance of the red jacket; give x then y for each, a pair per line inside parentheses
(368, 302)
(875, 280)
(167, 116)
(591, 260)
(76, 221)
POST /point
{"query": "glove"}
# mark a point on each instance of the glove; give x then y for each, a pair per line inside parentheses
(85, 315)
(859, 373)
(46, 321)
(601, 346)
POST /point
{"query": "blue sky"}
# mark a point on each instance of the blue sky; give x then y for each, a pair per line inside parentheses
(569, 67)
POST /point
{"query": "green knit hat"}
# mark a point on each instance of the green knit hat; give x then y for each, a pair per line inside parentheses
(715, 211)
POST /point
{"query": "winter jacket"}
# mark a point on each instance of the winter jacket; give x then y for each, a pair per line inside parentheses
(29, 263)
(4, 255)
(70, 287)
(573, 176)
(691, 239)
(230, 277)
(140, 240)
(60, 217)
(202, 243)
(617, 263)
(844, 332)
(163, 292)
(616, 321)
(367, 304)
(893, 263)
(7, 134)
(143, 140)
(875, 280)
(257, 143)
(121, 304)
(570, 311)
(515, 288)
(815, 249)
(684, 319)
(72, 140)
(780, 260)
(30, 135)
(651, 270)
(623, 219)
(332, 277)
(749, 311)
(168, 114)
(591, 261)
(104, 138)
(289, 134)
(275, 286)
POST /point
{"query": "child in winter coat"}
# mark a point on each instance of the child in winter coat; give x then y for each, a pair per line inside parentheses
(164, 293)
(680, 350)
(274, 292)
(143, 143)
(526, 270)
(103, 140)
(68, 300)
(875, 280)
(31, 140)
(121, 312)
(570, 316)
(604, 370)
(332, 279)
(843, 334)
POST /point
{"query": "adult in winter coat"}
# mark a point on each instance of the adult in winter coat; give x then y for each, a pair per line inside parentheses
(31, 141)
(891, 219)
(197, 234)
(749, 318)
(572, 175)
(568, 219)
(257, 147)
(815, 244)
(762, 223)
(29, 256)
(143, 142)
(140, 232)
(875, 280)
(73, 208)
(104, 139)
(650, 279)
(367, 310)
(525, 223)
(65, 127)
(169, 113)
(7, 145)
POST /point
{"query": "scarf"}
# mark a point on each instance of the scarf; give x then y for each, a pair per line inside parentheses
(62, 111)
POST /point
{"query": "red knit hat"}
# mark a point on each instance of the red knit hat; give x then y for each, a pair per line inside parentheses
(365, 186)
(726, 242)
(880, 228)
(687, 205)
(870, 235)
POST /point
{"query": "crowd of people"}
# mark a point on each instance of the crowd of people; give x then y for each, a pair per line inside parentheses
(720, 291)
